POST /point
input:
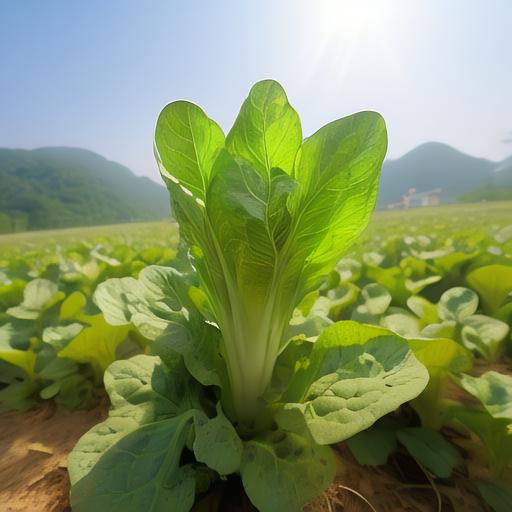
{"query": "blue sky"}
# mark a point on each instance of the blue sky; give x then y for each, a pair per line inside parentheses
(95, 74)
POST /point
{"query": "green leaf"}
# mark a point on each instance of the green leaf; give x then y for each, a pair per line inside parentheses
(498, 497)
(38, 295)
(376, 298)
(485, 335)
(339, 335)
(142, 390)
(150, 303)
(118, 299)
(349, 270)
(72, 306)
(441, 357)
(373, 446)
(187, 144)
(400, 286)
(338, 169)
(283, 471)
(444, 329)
(76, 392)
(423, 309)
(267, 132)
(59, 336)
(295, 355)
(495, 434)
(457, 304)
(198, 343)
(493, 283)
(217, 443)
(494, 390)
(349, 386)
(141, 471)
(451, 263)
(431, 450)
(307, 328)
(146, 381)
(17, 333)
(248, 218)
(18, 395)
(24, 359)
(401, 321)
(96, 344)
(341, 298)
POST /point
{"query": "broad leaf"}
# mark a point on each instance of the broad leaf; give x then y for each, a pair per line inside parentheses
(283, 471)
(441, 357)
(59, 336)
(217, 443)
(96, 344)
(423, 309)
(267, 132)
(352, 385)
(198, 343)
(376, 298)
(38, 295)
(457, 303)
(338, 169)
(24, 359)
(431, 450)
(495, 434)
(187, 143)
(493, 283)
(142, 390)
(373, 446)
(484, 334)
(141, 471)
(72, 306)
(158, 296)
(497, 496)
(494, 390)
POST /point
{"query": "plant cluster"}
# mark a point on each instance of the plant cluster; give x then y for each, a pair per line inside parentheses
(229, 389)
(244, 355)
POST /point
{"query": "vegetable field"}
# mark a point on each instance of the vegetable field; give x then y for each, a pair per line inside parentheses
(268, 357)
(439, 277)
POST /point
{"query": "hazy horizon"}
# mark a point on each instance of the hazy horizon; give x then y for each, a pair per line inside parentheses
(96, 75)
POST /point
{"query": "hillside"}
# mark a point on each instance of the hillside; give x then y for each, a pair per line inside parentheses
(434, 165)
(62, 187)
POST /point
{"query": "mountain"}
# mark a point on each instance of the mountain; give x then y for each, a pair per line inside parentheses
(503, 173)
(63, 187)
(500, 187)
(434, 166)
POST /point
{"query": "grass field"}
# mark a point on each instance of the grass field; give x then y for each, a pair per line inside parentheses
(459, 215)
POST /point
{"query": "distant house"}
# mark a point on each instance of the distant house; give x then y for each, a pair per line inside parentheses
(414, 199)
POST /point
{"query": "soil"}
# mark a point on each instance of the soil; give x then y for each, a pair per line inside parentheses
(34, 446)
(33, 475)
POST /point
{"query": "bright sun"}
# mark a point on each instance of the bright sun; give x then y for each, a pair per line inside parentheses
(358, 14)
(348, 27)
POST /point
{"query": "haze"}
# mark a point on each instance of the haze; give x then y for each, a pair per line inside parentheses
(96, 74)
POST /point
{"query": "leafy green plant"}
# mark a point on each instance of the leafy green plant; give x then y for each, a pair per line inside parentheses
(429, 448)
(494, 284)
(228, 390)
(51, 349)
(491, 418)
(483, 334)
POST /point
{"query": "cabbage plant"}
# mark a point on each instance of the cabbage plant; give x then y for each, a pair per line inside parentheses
(226, 388)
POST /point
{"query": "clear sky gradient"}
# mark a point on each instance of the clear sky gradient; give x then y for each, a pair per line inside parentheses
(96, 73)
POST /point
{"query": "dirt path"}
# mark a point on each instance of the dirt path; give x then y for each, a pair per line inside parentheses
(34, 447)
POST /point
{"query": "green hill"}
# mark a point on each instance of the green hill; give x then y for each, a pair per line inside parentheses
(64, 187)
(431, 166)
